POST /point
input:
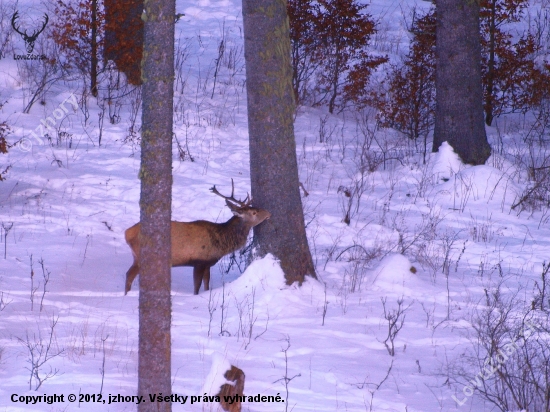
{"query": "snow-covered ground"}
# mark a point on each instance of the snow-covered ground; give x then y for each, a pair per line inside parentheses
(424, 242)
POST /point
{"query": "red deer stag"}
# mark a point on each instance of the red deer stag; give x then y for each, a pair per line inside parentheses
(201, 243)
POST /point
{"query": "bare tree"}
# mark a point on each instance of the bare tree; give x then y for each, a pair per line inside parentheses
(273, 164)
(155, 204)
(459, 95)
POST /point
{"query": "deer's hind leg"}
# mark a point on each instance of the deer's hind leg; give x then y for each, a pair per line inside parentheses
(206, 278)
(198, 275)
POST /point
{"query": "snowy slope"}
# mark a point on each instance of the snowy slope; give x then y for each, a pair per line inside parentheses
(66, 203)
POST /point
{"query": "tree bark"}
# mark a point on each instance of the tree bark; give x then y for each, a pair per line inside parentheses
(93, 57)
(489, 101)
(459, 95)
(154, 368)
(273, 163)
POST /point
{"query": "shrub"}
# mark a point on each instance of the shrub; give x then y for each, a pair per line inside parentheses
(78, 30)
(409, 104)
(329, 41)
(511, 79)
(507, 365)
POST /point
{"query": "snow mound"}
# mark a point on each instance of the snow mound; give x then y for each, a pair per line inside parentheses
(480, 184)
(394, 274)
(446, 162)
(462, 185)
(263, 283)
(215, 379)
(263, 274)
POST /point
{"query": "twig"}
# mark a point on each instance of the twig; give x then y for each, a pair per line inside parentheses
(223, 331)
(33, 289)
(348, 248)
(265, 330)
(211, 310)
(285, 378)
(221, 51)
(396, 319)
(325, 306)
(102, 369)
(46, 276)
(6, 231)
(39, 354)
(251, 319)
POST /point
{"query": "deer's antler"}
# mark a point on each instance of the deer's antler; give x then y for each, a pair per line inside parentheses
(247, 202)
(13, 20)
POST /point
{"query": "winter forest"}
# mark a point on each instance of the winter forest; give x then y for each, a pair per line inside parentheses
(275, 205)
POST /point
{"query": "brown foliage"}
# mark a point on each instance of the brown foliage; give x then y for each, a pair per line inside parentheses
(4, 146)
(116, 32)
(409, 103)
(329, 45)
(3, 143)
(512, 81)
(72, 31)
(303, 46)
(124, 37)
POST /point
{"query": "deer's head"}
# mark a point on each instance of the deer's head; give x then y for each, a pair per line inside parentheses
(252, 216)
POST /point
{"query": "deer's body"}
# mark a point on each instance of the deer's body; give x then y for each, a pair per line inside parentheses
(201, 244)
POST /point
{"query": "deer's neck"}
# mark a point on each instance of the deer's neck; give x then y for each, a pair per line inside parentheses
(232, 235)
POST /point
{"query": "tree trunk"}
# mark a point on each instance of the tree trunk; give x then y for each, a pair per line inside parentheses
(93, 62)
(155, 204)
(489, 100)
(459, 97)
(273, 163)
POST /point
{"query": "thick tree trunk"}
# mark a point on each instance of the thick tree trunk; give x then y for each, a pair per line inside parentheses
(489, 100)
(93, 62)
(273, 163)
(459, 95)
(155, 204)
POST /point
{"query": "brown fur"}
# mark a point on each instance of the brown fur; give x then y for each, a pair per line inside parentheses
(201, 244)
(234, 375)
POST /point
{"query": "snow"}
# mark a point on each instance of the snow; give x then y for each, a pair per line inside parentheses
(395, 275)
(70, 202)
(446, 162)
(215, 379)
